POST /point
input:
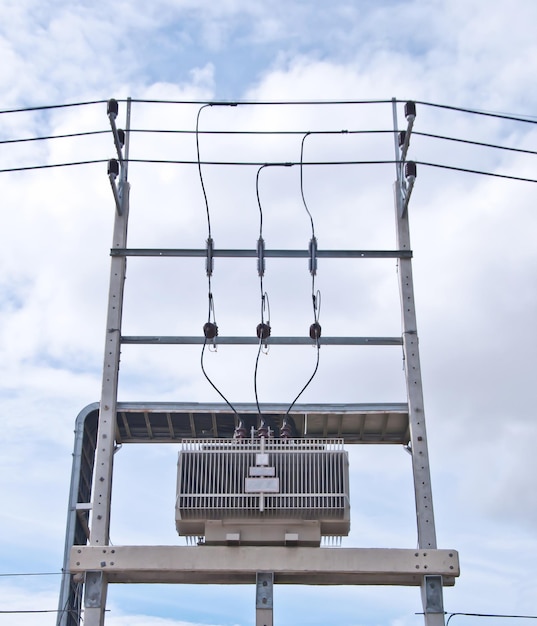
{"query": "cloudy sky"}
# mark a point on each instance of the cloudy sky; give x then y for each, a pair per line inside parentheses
(475, 271)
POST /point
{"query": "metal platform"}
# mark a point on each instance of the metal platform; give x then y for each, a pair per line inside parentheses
(172, 422)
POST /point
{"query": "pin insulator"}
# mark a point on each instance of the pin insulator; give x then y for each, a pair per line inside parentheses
(410, 109)
(121, 136)
(112, 108)
(401, 138)
(241, 431)
(315, 330)
(410, 169)
(210, 330)
(113, 167)
(263, 331)
(288, 429)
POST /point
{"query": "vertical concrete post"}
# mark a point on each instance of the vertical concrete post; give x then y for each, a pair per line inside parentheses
(416, 410)
(104, 453)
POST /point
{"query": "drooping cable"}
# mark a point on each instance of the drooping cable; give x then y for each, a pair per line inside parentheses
(288, 428)
(210, 328)
(263, 328)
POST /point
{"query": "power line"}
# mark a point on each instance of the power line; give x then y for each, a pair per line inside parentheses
(52, 106)
(514, 118)
(502, 116)
(481, 172)
(269, 133)
(7, 612)
(26, 168)
(474, 143)
(279, 164)
(13, 575)
(489, 615)
(47, 137)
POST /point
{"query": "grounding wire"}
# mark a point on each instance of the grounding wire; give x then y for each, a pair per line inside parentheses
(211, 316)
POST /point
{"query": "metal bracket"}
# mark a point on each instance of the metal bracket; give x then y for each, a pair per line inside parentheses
(432, 589)
(93, 596)
(264, 588)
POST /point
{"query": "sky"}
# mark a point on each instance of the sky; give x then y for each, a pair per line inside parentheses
(475, 264)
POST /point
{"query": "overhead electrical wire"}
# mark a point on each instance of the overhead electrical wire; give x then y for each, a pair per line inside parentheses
(451, 615)
(501, 116)
(494, 114)
(198, 132)
(16, 574)
(278, 164)
(63, 136)
(47, 107)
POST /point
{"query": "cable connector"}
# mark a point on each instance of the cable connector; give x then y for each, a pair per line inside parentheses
(209, 262)
(261, 256)
(313, 256)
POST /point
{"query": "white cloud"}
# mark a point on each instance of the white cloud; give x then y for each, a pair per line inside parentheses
(473, 239)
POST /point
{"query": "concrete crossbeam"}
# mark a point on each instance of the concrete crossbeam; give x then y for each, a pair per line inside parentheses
(291, 565)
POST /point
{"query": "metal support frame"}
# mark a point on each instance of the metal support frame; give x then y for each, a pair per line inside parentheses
(96, 564)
